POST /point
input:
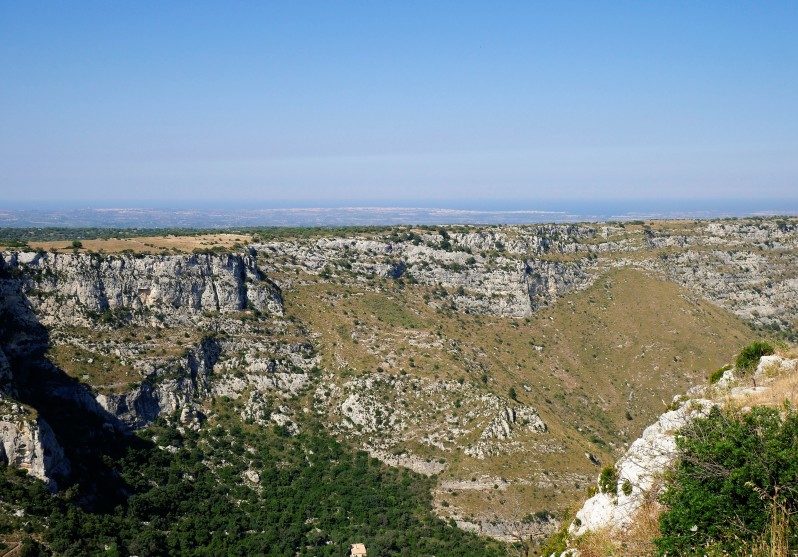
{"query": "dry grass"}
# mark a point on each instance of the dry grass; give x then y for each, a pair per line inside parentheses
(639, 539)
(636, 541)
(86, 355)
(629, 343)
(598, 544)
(788, 351)
(781, 389)
(152, 244)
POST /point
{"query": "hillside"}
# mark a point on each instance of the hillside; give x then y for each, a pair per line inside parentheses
(505, 364)
(433, 385)
(714, 474)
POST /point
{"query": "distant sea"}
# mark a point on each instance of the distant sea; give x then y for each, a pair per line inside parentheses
(475, 213)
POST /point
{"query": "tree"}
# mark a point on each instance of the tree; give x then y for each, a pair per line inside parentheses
(737, 476)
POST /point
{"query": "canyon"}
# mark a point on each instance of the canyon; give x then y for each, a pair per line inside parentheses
(508, 363)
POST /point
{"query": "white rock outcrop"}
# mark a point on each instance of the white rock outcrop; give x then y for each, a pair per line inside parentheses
(502, 428)
(28, 442)
(65, 287)
(639, 472)
(774, 365)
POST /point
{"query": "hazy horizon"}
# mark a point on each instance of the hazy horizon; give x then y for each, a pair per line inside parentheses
(314, 216)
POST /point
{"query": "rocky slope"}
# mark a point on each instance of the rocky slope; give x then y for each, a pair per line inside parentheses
(130, 338)
(506, 361)
(640, 470)
(745, 265)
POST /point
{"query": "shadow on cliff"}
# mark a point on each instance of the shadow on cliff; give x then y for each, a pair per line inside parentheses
(92, 438)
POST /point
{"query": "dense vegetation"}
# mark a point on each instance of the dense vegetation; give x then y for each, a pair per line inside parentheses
(189, 495)
(735, 490)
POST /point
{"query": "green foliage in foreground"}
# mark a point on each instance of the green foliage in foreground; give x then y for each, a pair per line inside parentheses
(716, 375)
(733, 468)
(314, 497)
(749, 356)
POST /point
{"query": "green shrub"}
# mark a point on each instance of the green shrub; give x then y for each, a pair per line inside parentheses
(16, 244)
(733, 468)
(77, 244)
(557, 542)
(749, 356)
(608, 480)
(31, 548)
(627, 488)
(715, 376)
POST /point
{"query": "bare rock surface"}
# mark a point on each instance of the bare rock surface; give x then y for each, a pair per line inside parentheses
(639, 472)
(28, 442)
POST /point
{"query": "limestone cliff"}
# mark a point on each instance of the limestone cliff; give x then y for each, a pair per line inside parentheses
(173, 288)
(26, 439)
(73, 304)
(747, 266)
(28, 442)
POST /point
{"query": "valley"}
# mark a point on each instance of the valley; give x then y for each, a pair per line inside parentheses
(503, 366)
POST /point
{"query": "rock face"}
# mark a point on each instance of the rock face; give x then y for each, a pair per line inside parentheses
(28, 442)
(546, 281)
(747, 266)
(173, 288)
(639, 472)
(511, 532)
(74, 303)
(500, 282)
(189, 381)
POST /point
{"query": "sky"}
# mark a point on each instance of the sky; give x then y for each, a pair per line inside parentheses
(299, 103)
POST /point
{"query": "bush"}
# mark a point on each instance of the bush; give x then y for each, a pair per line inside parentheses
(735, 471)
(608, 480)
(30, 548)
(77, 244)
(749, 357)
(557, 542)
(716, 375)
(627, 488)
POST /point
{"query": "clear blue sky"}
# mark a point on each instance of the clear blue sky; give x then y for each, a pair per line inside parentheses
(421, 103)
